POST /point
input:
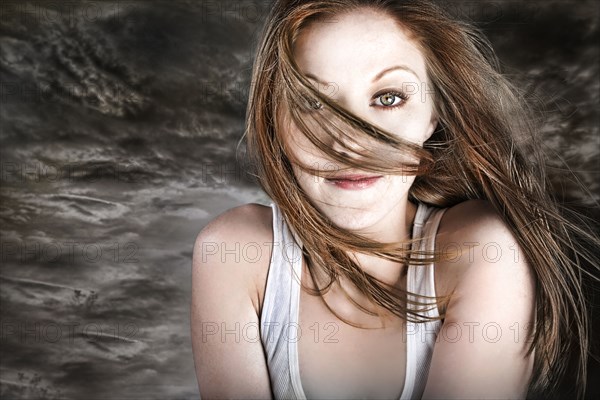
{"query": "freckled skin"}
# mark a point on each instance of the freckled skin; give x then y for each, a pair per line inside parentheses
(368, 363)
(350, 52)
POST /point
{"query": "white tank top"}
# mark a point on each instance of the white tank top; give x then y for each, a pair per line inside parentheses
(279, 315)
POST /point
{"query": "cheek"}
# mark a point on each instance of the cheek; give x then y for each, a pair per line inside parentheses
(304, 151)
(411, 125)
(306, 181)
(401, 181)
(299, 144)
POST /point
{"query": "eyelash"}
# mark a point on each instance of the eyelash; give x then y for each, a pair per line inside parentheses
(393, 92)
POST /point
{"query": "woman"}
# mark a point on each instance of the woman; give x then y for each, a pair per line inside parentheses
(411, 249)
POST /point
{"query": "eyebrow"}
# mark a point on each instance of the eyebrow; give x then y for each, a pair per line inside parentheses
(376, 77)
(394, 68)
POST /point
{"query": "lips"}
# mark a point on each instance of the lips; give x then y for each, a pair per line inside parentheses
(351, 177)
(353, 181)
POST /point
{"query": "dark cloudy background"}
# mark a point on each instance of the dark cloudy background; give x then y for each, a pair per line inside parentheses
(119, 127)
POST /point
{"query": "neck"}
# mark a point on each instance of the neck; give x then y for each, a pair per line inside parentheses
(395, 227)
(398, 227)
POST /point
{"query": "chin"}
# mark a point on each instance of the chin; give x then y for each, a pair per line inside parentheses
(357, 210)
(351, 218)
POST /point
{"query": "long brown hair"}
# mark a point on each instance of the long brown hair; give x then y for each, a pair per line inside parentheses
(484, 147)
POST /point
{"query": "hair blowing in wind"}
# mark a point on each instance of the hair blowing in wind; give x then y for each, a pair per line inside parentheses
(484, 147)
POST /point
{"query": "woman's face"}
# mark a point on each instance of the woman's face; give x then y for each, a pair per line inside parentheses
(362, 60)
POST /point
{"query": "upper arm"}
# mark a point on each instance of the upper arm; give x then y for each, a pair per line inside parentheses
(481, 347)
(228, 353)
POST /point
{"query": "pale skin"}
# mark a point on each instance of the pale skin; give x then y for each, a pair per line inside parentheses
(492, 284)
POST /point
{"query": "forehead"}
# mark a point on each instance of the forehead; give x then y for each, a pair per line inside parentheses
(356, 44)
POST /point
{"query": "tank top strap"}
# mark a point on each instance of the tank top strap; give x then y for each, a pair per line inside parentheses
(425, 229)
(277, 330)
(278, 319)
(421, 336)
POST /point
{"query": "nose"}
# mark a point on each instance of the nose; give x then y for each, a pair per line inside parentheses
(344, 145)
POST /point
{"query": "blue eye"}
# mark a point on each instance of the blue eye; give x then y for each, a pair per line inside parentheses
(390, 99)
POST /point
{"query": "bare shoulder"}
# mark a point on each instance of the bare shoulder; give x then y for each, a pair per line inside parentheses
(239, 241)
(474, 216)
(473, 234)
(227, 253)
(491, 306)
(246, 220)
